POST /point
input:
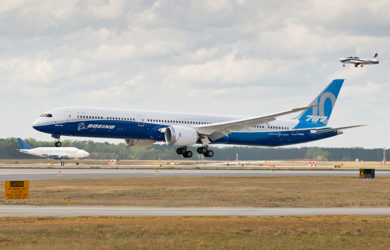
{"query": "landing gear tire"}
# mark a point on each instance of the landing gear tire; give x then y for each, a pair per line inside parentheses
(187, 154)
(58, 144)
(181, 151)
(343, 65)
(201, 150)
(209, 153)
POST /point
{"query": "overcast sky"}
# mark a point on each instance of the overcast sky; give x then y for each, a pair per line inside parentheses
(220, 57)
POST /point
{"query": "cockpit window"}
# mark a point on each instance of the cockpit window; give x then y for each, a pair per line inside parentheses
(46, 115)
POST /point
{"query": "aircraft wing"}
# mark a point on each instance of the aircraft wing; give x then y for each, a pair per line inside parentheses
(215, 131)
(321, 131)
(56, 157)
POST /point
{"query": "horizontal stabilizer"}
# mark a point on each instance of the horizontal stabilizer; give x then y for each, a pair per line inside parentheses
(322, 131)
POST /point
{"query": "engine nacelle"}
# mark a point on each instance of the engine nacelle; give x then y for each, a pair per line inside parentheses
(181, 136)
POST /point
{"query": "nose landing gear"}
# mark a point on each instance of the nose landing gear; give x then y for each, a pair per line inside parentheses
(58, 142)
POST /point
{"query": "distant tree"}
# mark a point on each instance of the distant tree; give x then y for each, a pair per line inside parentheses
(9, 150)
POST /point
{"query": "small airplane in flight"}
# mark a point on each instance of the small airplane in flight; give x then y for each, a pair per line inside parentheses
(357, 61)
(144, 128)
(53, 152)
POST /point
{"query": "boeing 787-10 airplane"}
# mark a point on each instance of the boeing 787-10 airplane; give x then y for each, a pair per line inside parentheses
(143, 128)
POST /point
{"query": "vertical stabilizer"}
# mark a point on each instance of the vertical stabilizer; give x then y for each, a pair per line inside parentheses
(375, 57)
(23, 144)
(319, 115)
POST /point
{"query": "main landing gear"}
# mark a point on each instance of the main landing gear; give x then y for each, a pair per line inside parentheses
(183, 151)
(205, 151)
(201, 150)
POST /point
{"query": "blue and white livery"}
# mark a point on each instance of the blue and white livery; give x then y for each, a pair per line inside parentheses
(143, 128)
(357, 61)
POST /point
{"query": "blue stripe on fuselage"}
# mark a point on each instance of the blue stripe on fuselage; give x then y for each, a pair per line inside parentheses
(106, 129)
(134, 130)
(273, 138)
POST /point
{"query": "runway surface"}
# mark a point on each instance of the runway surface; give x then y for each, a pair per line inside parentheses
(45, 174)
(26, 211)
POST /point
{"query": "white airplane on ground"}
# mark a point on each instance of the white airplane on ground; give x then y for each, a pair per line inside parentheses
(143, 128)
(357, 61)
(53, 152)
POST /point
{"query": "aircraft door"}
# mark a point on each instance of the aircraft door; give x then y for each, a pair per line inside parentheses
(140, 120)
(67, 115)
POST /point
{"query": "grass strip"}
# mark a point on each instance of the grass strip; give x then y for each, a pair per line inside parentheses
(319, 232)
(289, 191)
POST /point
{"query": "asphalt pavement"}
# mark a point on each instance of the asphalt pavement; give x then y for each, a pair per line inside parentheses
(64, 211)
(45, 174)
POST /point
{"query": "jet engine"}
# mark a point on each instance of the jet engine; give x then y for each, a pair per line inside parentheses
(181, 136)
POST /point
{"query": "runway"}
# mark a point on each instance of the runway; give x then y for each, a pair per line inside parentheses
(27, 211)
(46, 174)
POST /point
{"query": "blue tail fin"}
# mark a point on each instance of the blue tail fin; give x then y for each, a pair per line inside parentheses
(318, 116)
(23, 144)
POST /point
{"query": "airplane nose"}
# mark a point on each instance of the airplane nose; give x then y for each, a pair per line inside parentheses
(35, 124)
(85, 154)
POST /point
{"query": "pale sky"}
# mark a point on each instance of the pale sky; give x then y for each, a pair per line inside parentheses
(218, 57)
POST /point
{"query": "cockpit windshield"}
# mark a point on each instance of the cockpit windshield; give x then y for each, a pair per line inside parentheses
(46, 115)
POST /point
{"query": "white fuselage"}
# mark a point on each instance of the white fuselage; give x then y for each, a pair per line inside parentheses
(357, 61)
(57, 152)
(79, 115)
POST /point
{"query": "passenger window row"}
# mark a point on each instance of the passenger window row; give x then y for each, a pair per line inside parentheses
(179, 122)
(271, 127)
(277, 127)
(90, 117)
(149, 120)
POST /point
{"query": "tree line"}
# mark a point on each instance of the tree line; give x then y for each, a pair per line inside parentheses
(104, 150)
